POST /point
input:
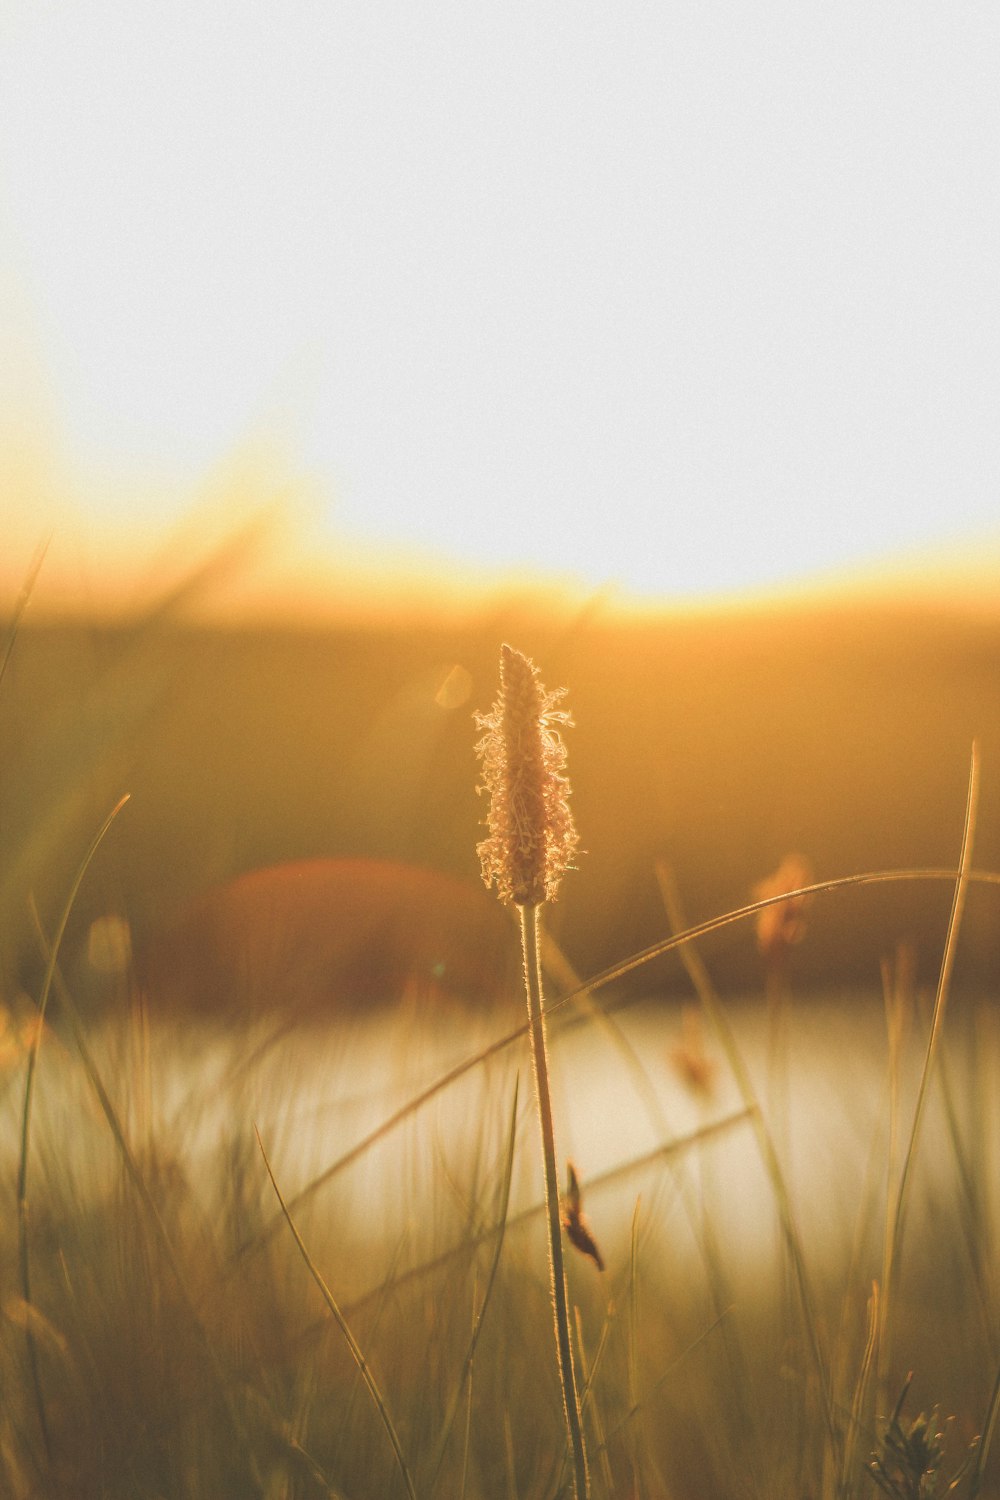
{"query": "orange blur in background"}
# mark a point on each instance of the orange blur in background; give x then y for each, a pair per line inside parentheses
(715, 739)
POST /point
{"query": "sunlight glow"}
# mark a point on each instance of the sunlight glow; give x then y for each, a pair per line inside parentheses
(627, 297)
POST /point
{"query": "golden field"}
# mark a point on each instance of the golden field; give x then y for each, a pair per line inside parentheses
(715, 742)
(789, 1168)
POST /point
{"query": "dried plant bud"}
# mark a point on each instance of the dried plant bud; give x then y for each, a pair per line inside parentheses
(690, 1057)
(532, 836)
(573, 1220)
(783, 924)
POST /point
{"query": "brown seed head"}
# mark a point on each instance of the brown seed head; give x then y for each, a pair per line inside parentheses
(783, 924)
(690, 1056)
(532, 836)
(574, 1221)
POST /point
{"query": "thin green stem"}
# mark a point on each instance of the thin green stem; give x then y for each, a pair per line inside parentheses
(352, 1343)
(666, 1151)
(895, 1235)
(715, 1011)
(149, 1204)
(558, 1007)
(477, 1329)
(533, 988)
(26, 1111)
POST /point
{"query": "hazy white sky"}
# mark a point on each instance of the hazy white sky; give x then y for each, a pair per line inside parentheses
(689, 296)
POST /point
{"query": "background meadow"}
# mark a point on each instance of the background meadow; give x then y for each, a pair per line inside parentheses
(740, 1126)
(337, 347)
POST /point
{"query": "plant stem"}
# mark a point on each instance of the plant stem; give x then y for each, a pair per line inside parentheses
(536, 1021)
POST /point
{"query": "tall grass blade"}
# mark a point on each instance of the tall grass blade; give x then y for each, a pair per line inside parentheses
(720, 1024)
(469, 1360)
(24, 1257)
(675, 942)
(383, 1301)
(962, 878)
(856, 1420)
(667, 1374)
(342, 1324)
(668, 1149)
(167, 1249)
(640, 1454)
(588, 1404)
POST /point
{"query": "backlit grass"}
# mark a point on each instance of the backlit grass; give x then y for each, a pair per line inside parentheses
(262, 1262)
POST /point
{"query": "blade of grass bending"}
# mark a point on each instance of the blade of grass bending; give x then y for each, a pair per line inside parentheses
(741, 913)
(602, 1179)
(24, 1257)
(606, 976)
(138, 1181)
(467, 1363)
(341, 1321)
(962, 877)
(344, 1425)
(588, 1008)
(557, 964)
(720, 1024)
(264, 1235)
(579, 993)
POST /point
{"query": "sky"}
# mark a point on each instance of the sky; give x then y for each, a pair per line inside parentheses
(679, 297)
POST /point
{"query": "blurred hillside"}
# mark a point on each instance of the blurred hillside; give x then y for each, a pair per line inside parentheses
(716, 742)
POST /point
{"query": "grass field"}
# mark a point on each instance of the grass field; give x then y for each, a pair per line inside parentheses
(795, 1198)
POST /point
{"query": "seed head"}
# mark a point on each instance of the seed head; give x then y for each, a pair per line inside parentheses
(783, 924)
(574, 1220)
(690, 1057)
(532, 835)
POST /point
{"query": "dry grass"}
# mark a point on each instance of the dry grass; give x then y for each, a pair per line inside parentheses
(775, 1267)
